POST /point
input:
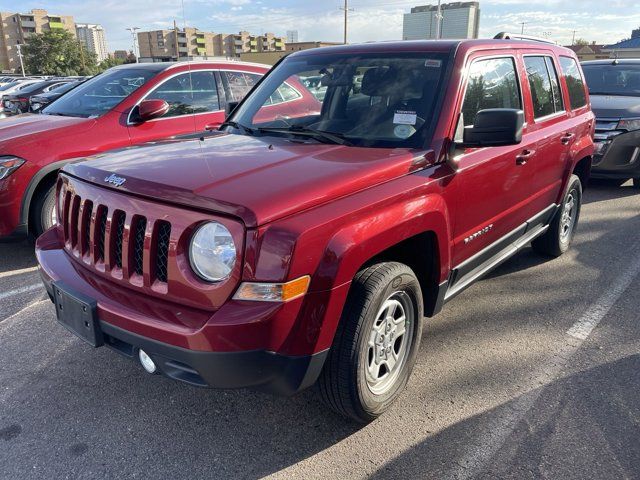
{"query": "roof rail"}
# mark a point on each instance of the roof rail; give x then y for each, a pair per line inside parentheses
(516, 36)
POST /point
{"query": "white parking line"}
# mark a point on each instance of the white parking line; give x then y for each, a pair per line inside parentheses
(11, 273)
(505, 418)
(16, 291)
(592, 317)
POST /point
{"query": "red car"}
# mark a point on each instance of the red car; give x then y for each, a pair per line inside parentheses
(296, 248)
(126, 105)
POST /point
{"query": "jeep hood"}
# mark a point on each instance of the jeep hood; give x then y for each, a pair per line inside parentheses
(257, 179)
(31, 127)
(614, 106)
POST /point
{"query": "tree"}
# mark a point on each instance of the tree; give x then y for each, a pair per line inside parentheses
(581, 42)
(107, 63)
(58, 52)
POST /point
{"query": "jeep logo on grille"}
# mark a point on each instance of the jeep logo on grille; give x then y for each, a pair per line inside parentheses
(114, 179)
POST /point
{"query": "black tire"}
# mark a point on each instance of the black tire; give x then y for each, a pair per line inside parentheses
(343, 383)
(556, 239)
(42, 207)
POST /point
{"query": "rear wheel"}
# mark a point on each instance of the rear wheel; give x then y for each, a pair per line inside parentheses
(558, 237)
(43, 214)
(376, 344)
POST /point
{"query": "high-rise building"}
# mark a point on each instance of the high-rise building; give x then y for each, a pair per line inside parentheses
(457, 20)
(92, 36)
(292, 36)
(15, 28)
(190, 43)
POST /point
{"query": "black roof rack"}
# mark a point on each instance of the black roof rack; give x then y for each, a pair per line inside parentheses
(517, 36)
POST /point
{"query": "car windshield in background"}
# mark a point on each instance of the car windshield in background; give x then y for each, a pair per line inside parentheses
(100, 94)
(610, 79)
(373, 100)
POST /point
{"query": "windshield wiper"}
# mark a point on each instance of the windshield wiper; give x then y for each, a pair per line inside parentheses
(332, 137)
(239, 126)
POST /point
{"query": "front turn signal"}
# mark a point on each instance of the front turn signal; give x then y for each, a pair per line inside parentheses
(273, 292)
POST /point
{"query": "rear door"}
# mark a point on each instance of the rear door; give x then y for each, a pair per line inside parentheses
(189, 94)
(550, 127)
(495, 183)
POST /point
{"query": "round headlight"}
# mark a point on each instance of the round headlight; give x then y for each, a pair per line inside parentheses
(212, 252)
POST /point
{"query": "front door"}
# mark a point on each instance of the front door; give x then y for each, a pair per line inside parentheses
(193, 103)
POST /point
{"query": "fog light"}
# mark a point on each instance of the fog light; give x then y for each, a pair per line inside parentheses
(147, 363)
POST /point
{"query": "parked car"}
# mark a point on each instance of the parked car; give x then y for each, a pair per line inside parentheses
(18, 102)
(17, 85)
(293, 248)
(38, 102)
(123, 106)
(614, 86)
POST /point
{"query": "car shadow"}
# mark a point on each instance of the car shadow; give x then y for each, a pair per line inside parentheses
(533, 435)
(15, 255)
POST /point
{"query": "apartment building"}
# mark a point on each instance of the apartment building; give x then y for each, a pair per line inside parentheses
(15, 28)
(93, 38)
(190, 43)
(457, 20)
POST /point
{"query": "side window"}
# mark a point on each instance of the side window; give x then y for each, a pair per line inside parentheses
(492, 83)
(543, 81)
(188, 93)
(284, 93)
(555, 85)
(239, 83)
(575, 83)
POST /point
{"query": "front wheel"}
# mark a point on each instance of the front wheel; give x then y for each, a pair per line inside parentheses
(43, 215)
(558, 237)
(376, 343)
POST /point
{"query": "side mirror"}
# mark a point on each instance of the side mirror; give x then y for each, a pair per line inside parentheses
(150, 109)
(495, 127)
(228, 110)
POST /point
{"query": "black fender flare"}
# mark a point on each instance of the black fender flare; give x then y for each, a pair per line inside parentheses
(33, 186)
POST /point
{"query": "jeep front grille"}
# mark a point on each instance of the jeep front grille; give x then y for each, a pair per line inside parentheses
(116, 242)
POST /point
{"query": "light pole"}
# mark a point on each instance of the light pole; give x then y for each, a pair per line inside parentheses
(438, 21)
(18, 46)
(346, 17)
(522, 30)
(134, 38)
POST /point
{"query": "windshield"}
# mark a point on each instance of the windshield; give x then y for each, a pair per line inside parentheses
(100, 94)
(9, 85)
(609, 79)
(374, 100)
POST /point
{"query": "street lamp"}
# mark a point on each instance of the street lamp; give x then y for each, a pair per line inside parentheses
(18, 46)
(134, 38)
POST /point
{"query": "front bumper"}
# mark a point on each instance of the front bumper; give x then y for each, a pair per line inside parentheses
(618, 157)
(234, 348)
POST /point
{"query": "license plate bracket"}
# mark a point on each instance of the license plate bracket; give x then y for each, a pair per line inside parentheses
(78, 313)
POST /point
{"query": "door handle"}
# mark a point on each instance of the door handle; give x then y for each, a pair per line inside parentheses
(212, 126)
(524, 157)
(566, 138)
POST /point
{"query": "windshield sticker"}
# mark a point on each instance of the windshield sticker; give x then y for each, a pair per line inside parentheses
(433, 63)
(403, 131)
(405, 117)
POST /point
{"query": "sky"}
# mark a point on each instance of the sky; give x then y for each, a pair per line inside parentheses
(603, 21)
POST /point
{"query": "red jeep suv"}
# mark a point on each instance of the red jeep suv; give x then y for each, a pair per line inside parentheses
(295, 248)
(116, 109)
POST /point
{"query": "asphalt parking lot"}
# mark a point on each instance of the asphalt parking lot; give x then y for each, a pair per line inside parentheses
(534, 372)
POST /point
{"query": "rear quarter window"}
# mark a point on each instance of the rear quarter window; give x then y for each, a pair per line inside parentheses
(575, 82)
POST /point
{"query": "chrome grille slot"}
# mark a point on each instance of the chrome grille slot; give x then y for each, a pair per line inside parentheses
(117, 226)
(138, 244)
(163, 235)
